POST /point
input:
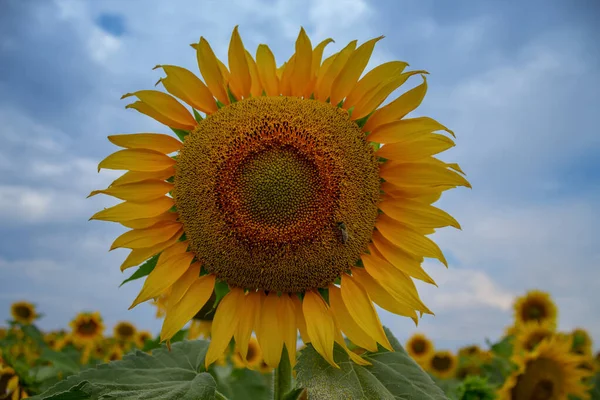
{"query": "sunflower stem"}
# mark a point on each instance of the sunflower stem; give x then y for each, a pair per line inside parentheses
(282, 381)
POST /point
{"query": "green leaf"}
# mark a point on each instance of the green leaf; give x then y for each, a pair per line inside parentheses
(392, 375)
(244, 384)
(181, 134)
(294, 394)
(34, 333)
(165, 375)
(197, 116)
(143, 270)
(504, 347)
(60, 360)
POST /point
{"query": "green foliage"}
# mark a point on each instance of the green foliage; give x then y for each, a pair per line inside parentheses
(475, 388)
(181, 134)
(175, 374)
(392, 375)
(143, 270)
(504, 347)
(242, 384)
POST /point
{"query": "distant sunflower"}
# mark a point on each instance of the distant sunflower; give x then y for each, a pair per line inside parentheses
(87, 328)
(535, 306)
(420, 348)
(442, 364)
(141, 337)
(124, 331)
(549, 372)
(470, 351)
(113, 353)
(469, 368)
(283, 190)
(581, 342)
(9, 384)
(531, 335)
(253, 357)
(23, 312)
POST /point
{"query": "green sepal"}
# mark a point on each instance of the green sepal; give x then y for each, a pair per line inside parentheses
(144, 269)
(230, 95)
(181, 134)
(350, 110)
(197, 116)
(220, 105)
(340, 104)
(324, 294)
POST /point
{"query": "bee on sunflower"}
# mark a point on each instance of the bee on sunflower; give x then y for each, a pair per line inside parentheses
(23, 312)
(255, 191)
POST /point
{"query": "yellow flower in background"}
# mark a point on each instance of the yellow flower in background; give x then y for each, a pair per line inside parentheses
(200, 329)
(87, 328)
(125, 332)
(468, 368)
(535, 306)
(442, 364)
(23, 312)
(278, 193)
(581, 342)
(9, 384)
(531, 335)
(549, 372)
(113, 353)
(141, 337)
(420, 348)
(253, 357)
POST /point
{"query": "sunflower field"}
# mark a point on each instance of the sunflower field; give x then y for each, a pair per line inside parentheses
(287, 204)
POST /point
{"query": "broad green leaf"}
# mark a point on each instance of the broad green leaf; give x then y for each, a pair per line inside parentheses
(34, 333)
(166, 375)
(503, 348)
(392, 375)
(143, 270)
(59, 360)
(242, 384)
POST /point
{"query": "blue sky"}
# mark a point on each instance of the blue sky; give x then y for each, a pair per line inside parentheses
(517, 81)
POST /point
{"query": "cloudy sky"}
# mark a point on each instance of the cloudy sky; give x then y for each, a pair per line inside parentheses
(517, 81)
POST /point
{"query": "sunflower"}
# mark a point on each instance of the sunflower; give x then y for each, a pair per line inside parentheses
(420, 348)
(141, 337)
(535, 306)
(87, 328)
(9, 384)
(113, 353)
(581, 342)
(253, 357)
(531, 335)
(442, 364)
(549, 372)
(282, 193)
(23, 312)
(125, 332)
(468, 368)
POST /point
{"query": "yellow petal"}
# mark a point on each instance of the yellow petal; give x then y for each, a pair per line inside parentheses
(211, 72)
(240, 81)
(287, 76)
(181, 286)
(267, 70)
(420, 174)
(224, 324)
(139, 191)
(143, 223)
(269, 332)
(394, 281)
(287, 324)
(140, 160)
(300, 321)
(407, 239)
(142, 238)
(349, 74)
(323, 89)
(136, 176)
(382, 297)
(317, 56)
(166, 105)
(150, 141)
(361, 309)
(184, 84)
(256, 88)
(416, 213)
(424, 194)
(137, 256)
(413, 150)
(128, 211)
(405, 262)
(319, 325)
(248, 312)
(372, 80)
(192, 301)
(302, 68)
(374, 98)
(398, 108)
(405, 129)
(339, 339)
(163, 276)
(346, 323)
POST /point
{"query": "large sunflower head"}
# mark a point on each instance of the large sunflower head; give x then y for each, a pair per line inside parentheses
(125, 332)
(581, 342)
(87, 328)
(531, 335)
(549, 372)
(535, 306)
(23, 312)
(442, 364)
(279, 189)
(419, 347)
